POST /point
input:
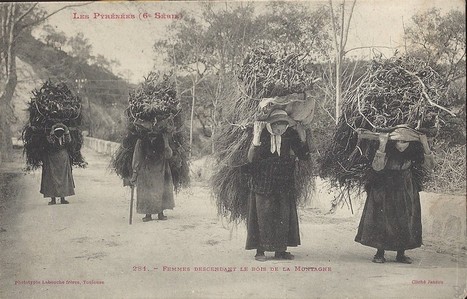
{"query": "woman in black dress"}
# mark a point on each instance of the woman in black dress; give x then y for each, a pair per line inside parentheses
(57, 178)
(272, 222)
(152, 175)
(391, 218)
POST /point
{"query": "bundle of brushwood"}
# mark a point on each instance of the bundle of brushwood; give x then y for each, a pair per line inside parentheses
(51, 104)
(155, 100)
(267, 80)
(265, 73)
(392, 92)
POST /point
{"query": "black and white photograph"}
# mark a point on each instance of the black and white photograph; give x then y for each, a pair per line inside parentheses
(233, 149)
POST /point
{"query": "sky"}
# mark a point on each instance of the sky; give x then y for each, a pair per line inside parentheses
(130, 41)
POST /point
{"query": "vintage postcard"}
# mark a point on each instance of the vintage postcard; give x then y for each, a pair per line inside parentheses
(233, 149)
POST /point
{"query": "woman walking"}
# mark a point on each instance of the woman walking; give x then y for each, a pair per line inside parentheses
(53, 139)
(272, 221)
(57, 177)
(152, 174)
(391, 218)
(153, 156)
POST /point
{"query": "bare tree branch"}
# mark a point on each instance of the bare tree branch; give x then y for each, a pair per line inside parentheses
(370, 47)
(26, 13)
(346, 35)
(51, 14)
(333, 23)
(341, 43)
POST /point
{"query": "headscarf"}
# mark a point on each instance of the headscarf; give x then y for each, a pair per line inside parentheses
(276, 140)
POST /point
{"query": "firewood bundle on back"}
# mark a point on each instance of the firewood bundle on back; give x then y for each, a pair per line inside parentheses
(266, 73)
(155, 101)
(392, 92)
(51, 104)
(267, 80)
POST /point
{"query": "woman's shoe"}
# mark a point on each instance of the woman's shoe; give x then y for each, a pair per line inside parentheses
(52, 202)
(284, 256)
(260, 257)
(161, 216)
(378, 259)
(64, 201)
(404, 259)
(147, 218)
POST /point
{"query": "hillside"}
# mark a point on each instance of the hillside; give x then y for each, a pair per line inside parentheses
(106, 92)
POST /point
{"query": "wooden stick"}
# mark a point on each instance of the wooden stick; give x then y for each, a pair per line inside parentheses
(131, 203)
(367, 134)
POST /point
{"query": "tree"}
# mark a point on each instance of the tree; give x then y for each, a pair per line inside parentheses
(231, 32)
(102, 62)
(340, 33)
(15, 19)
(298, 27)
(80, 47)
(54, 38)
(232, 29)
(439, 40)
(208, 48)
(219, 41)
(186, 51)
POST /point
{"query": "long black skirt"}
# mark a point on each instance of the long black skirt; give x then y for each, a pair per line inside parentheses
(272, 222)
(57, 177)
(391, 218)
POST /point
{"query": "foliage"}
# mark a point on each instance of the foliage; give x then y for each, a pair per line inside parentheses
(400, 90)
(104, 63)
(15, 19)
(80, 47)
(56, 39)
(265, 73)
(212, 48)
(450, 169)
(155, 100)
(231, 174)
(298, 26)
(51, 104)
(106, 92)
(439, 39)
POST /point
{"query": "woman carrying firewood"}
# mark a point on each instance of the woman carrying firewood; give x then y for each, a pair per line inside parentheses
(391, 218)
(152, 175)
(52, 139)
(272, 220)
(57, 178)
(153, 155)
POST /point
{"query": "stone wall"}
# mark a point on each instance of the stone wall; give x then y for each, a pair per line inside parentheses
(101, 146)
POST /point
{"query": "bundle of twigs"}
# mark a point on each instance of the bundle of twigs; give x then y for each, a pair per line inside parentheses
(400, 90)
(155, 100)
(263, 74)
(51, 104)
(395, 91)
(266, 73)
(54, 102)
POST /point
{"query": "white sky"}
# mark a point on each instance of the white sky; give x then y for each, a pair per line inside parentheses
(375, 22)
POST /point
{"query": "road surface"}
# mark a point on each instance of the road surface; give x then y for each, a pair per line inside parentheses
(87, 249)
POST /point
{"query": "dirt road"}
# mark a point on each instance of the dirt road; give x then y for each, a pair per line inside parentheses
(87, 250)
